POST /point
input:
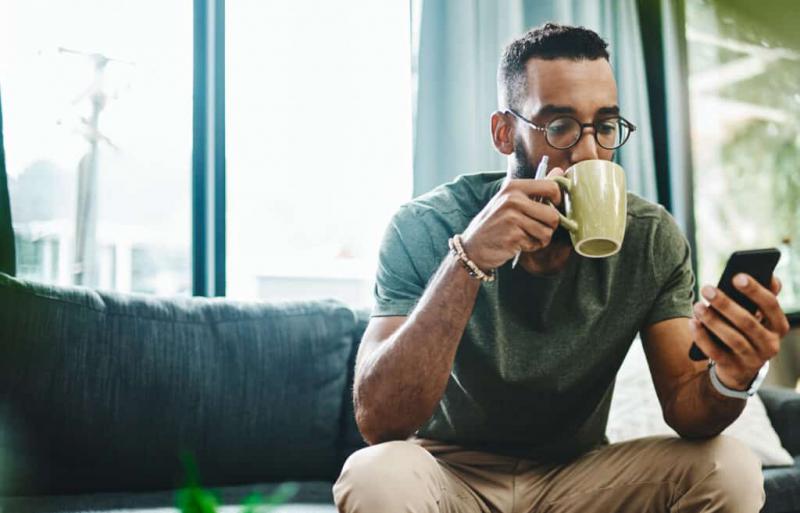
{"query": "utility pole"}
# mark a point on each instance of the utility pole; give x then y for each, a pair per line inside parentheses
(85, 271)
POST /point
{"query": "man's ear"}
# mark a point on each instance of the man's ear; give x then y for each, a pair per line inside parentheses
(503, 132)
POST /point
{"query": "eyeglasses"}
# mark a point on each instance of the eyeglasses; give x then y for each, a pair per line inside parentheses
(564, 132)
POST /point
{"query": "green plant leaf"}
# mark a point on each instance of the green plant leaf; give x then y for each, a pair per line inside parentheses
(192, 498)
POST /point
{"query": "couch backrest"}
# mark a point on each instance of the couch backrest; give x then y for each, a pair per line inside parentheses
(104, 391)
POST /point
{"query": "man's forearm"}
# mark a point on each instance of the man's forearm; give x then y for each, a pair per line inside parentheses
(400, 383)
(699, 411)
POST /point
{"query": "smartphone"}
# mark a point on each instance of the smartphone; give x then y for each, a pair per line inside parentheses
(758, 263)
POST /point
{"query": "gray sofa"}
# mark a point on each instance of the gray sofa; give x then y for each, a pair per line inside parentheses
(102, 393)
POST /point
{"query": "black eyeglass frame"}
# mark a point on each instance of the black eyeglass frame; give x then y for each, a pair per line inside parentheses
(631, 128)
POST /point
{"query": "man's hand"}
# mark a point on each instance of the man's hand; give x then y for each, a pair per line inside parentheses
(512, 221)
(752, 339)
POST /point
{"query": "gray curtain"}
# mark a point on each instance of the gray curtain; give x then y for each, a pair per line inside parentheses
(460, 42)
(7, 253)
(459, 45)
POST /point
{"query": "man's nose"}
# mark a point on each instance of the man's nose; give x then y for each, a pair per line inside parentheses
(586, 149)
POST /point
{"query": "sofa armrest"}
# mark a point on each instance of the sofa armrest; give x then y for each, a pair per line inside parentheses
(783, 408)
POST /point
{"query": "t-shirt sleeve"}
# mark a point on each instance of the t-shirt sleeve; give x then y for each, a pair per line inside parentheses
(400, 279)
(672, 265)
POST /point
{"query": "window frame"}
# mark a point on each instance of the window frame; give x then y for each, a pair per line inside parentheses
(208, 150)
(664, 45)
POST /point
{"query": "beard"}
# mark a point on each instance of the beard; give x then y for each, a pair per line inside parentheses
(524, 169)
(560, 236)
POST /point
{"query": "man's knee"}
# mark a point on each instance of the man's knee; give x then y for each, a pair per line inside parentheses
(386, 461)
(726, 471)
(387, 473)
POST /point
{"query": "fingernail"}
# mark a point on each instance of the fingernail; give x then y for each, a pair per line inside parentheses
(740, 280)
(709, 292)
(699, 308)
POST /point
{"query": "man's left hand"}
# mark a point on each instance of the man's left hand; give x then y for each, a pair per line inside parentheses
(752, 339)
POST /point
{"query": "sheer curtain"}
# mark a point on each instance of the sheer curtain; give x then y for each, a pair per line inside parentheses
(460, 42)
(7, 254)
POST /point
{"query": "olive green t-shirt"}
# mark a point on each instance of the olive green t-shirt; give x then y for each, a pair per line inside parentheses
(534, 371)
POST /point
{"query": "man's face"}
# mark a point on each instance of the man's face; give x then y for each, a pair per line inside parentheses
(583, 89)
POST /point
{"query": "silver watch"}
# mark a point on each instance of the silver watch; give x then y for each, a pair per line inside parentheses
(737, 394)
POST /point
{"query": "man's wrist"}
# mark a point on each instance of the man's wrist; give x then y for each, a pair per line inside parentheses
(739, 393)
(733, 382)
(471, 267)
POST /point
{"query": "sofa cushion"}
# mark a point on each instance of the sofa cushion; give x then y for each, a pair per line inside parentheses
(105, 391)
(636, 413)
(783, 406)
(783, 489)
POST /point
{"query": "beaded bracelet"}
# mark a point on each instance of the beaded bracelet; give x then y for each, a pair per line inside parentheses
(458, 250)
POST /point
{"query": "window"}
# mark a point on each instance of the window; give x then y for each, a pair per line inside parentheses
(744, 63)
(97, 107)
(318, 144)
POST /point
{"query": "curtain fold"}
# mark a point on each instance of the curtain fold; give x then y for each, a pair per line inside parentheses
(7, 251)
(460, 44)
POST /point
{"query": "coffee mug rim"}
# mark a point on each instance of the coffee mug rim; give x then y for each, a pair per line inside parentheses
(606, 239)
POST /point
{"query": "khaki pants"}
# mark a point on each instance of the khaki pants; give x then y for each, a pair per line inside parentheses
(650, 474)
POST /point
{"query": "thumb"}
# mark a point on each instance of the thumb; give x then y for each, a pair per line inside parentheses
(556, 171)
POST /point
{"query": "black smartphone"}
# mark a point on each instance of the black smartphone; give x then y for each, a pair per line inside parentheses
(758, 263)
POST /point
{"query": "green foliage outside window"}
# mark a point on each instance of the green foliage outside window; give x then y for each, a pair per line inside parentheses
(744, 62)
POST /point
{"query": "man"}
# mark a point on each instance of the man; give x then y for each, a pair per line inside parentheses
(494, 396)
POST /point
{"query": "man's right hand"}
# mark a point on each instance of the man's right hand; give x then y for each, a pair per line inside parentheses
(513, 220)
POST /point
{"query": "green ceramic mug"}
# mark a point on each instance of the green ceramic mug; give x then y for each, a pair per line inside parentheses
(596, 206)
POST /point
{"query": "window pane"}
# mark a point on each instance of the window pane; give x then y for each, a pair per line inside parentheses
(97, 110)
(318, 143)
(744, 63)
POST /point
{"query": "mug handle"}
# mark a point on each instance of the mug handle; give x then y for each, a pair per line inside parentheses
(566, 186)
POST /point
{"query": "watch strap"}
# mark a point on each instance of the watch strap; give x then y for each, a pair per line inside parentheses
(737, 394)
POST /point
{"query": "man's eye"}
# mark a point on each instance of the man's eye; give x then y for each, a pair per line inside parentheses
(559, 128)
(607, 128)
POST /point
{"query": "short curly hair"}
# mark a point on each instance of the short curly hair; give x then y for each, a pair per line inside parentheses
(549, 41)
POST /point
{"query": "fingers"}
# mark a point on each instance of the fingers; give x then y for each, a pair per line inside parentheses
(748, 326)
(520, 223)
(516, 202)
(535, 210)
(766, 301)
(535, 188)
(731, 337)
(704, 342)
(528, 244)
(534, 231)
(775, 285)
(516, 197)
